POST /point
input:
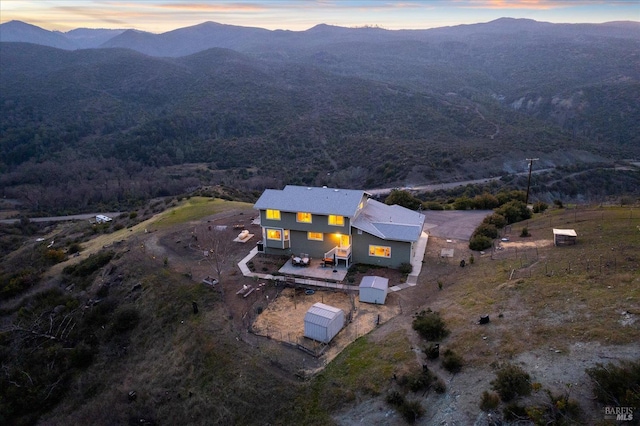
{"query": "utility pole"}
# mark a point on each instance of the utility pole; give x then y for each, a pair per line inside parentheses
(530, 160)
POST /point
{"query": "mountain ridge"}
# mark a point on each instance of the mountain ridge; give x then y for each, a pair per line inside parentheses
(180, 41)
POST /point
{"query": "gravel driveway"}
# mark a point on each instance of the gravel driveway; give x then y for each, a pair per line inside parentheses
(453, 224)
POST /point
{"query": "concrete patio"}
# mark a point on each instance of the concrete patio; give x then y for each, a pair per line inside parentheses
(315, 271)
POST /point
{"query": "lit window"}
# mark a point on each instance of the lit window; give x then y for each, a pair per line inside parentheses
(336, 220)
(274, 234)
(273, 214)
(304, 217)
(379, 251)
(316, 236)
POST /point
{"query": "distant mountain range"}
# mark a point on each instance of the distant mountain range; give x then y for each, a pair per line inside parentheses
(338, 106)
(188, 40)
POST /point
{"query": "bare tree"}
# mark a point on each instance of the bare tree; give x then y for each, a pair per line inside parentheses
(215, 243)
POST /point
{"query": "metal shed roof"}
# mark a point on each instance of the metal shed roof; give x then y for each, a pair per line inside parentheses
(379, 283)
(321, 314)
(395, 222)
(565, 232)
(324, 201)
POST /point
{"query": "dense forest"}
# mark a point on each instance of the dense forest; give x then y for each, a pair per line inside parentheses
(365, 108)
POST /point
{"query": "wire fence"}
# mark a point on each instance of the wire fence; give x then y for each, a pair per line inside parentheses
(524, 260)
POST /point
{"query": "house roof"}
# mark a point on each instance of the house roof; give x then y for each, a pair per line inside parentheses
(314, 200)
(394, 223)
(321, 314)
(565, 232)
(379, 283)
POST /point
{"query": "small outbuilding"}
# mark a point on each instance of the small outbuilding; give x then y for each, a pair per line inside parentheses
(564, 236)
(374, 289)
(102, 218)
(322, 322)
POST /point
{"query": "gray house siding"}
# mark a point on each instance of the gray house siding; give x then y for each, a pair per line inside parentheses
(400, 251)
(298, 235)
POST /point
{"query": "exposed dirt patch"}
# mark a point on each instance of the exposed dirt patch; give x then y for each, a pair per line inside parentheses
(283, 319)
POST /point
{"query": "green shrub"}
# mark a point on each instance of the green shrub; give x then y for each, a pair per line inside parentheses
(404, 199)
(74, 248)
(133, 215)
(539, 207)
(489, 401)
(395, 398)
(480, 242)
(525, 232)
(432, 351)
(511, 381)
(496, 219)
(16, 283)
(515, 412)
(126, 318)
(432, 205)
(89, 265)
(463, 203)
(616, 385)
(452, 362)
(405, 268)
(411, 411)
(430, 325)
(485, 201)
(439, 386)
(514, 211)
(560, 410)
(487, 229)
(421, 381)
(54, 256)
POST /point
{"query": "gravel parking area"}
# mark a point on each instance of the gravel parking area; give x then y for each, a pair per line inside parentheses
(453, 224)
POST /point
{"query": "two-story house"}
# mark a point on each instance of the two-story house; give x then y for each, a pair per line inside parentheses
(343, 224)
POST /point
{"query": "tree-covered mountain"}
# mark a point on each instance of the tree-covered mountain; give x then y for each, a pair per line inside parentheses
(80, 38)
(347, 107)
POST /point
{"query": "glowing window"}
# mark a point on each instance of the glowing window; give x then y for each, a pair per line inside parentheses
(316, 236)
(304, 217)
(379, 251)
(274, 234)
(336, 220)
(273, 214)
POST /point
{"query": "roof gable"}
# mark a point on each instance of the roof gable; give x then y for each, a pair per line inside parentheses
(321, 314)
(372, 281)
(314, 200)
(394, 223)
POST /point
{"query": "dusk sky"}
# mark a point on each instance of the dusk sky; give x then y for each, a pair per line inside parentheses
(165, 15)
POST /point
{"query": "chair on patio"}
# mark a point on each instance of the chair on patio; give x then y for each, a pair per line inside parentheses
(328, 261)
(305, 260)
(296, 260)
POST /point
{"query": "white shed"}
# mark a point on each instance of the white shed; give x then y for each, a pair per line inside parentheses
(374, 289)
(564, 236)
(102, 218)
(322, 322)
